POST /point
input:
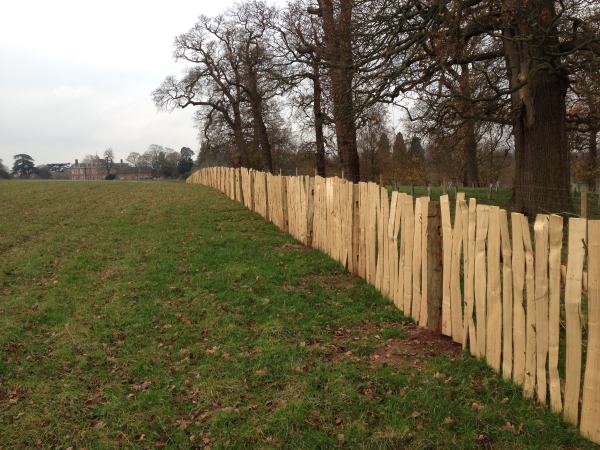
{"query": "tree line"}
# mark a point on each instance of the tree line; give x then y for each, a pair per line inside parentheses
(484, 83)
(157, 162)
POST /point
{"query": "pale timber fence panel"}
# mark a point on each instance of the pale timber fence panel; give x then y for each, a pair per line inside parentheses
(477, 275)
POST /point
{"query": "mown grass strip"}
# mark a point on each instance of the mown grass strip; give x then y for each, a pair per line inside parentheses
(149, 315)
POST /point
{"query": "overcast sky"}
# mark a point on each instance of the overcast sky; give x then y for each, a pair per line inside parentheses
(76, 76)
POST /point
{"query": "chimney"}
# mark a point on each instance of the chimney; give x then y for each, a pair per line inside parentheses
(76, 162)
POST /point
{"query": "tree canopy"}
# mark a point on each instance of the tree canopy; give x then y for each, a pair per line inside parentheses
(23, 165)
(486, 86)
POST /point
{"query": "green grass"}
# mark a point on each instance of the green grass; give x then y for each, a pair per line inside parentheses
(164, 315)
(501, 198)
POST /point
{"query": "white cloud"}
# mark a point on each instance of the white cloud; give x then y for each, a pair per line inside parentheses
(77, 76)
(66, 122)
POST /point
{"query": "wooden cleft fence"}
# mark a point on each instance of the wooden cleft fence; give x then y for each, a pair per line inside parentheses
(525, 300)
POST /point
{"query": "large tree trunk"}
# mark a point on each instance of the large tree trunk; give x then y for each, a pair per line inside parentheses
(538, 108)
(345, 129)
(337, 31)
(260, 128)
(469, 143)
(240, 156)
(592, 169)
(263, 138)
(318, 113)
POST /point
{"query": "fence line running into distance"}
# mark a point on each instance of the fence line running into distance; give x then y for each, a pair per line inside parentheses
(479, 278)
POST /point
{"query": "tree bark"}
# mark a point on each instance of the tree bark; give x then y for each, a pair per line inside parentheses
(539, 88)
(337, 31)
(260, 129)
(345, 129)
(318, 113)
(240, 158)
(471, 175)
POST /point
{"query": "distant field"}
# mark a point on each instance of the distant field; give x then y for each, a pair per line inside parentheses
(502, 197)
(164, 315)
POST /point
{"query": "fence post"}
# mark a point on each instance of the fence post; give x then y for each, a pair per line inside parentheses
(434, 267)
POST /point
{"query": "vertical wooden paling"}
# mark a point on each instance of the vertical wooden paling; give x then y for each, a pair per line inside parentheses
(456, 310)
(518, 266)
(541, 303)
(423, 315)
(480, 278)
(434, 268)
(318, 212)
(530, 330)
(465, 258)
(331, 225)
(392, 248)
(364, 202)
(399, 288)
(573, 287)
(382, 240)
(355, 228)
(370, 225)
(416, 261)
(555, 231)
(494, 302)
(251, 184)
(447, 264)
(415, 310)
(310, 209)
(507, 298)
(284, 203)
(407, 237)
(469, 332)
(590, 406)
(348, 221)
(339, 204)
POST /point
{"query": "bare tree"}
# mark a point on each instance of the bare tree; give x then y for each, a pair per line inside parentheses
(231, 70)
(533, 40)
(337, 53)
(583, 113)
(135, 159)
(298, 42)
(212, 83)
(107, 161)
(373, 143)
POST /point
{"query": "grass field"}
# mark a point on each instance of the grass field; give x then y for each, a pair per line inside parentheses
(501, 198)
(163, 315)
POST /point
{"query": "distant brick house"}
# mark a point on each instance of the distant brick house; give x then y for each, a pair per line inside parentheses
(86, 171)
(94, 170)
